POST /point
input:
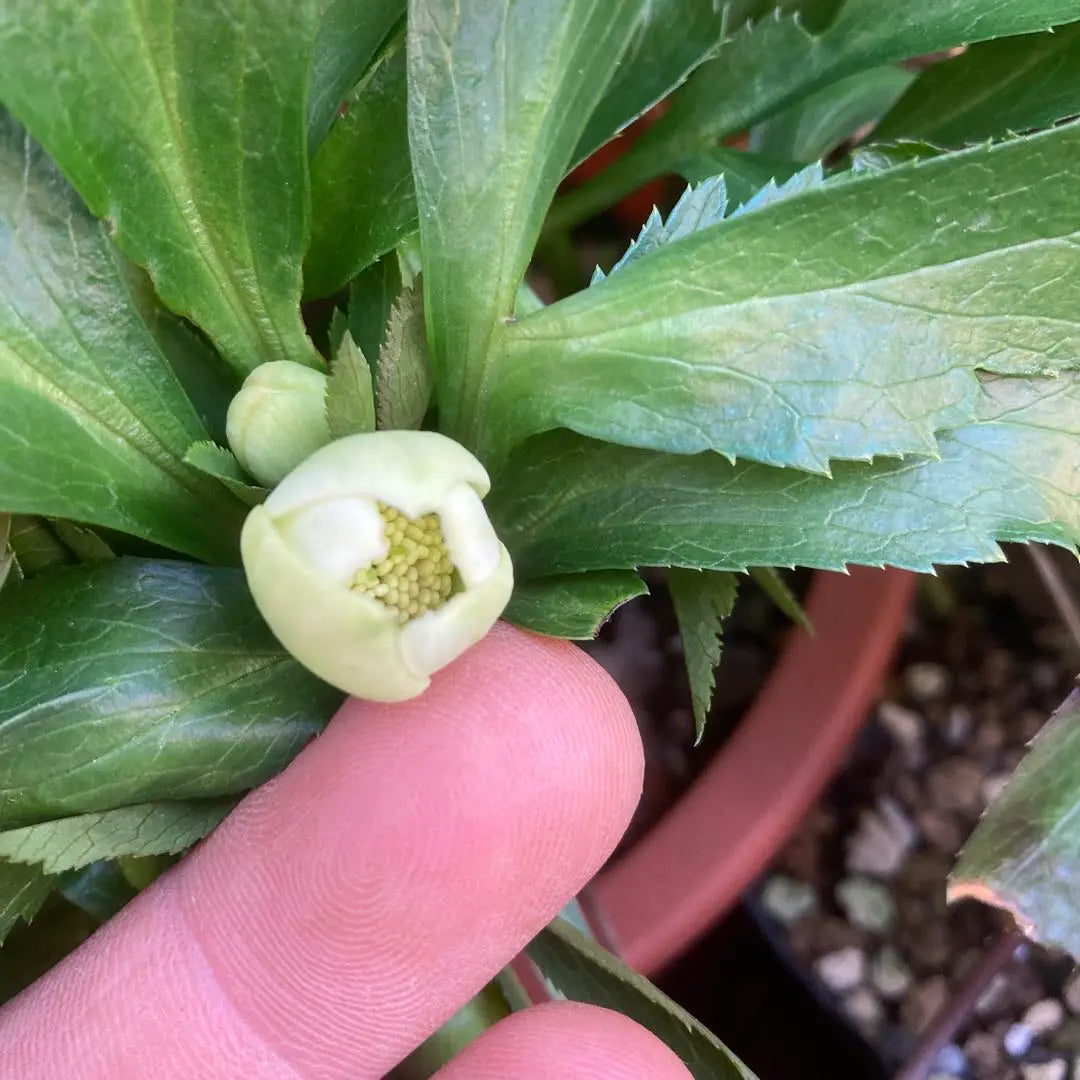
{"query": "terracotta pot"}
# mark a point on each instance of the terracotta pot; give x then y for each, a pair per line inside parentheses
(688, 870)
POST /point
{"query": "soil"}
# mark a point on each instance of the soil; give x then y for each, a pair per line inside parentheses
(853, 909)
(858, 895)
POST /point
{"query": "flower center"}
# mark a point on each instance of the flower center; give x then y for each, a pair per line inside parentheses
(416, 575)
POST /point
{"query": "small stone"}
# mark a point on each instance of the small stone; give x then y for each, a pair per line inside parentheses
(1071, 991)
(925, 872)
(984, 1052)
(993, 786)
(926, 681)
(958, 725)
(820, 934)
(866, 903)
(906, 728)
(1055, 1069)
(1018, 1040)
(882, 841)
(864, 1009)
(940, 830)
(1044, 1016)
(889, 973)
(842, 970)
(956, 784)
(788, 900)
(951, 1060)
(989, 736)
(923, 1002)
(1045, 674)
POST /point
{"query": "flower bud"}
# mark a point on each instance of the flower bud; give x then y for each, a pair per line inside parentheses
(277, 419)
(374, 562)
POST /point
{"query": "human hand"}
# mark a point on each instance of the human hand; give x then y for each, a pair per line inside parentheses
(348, 907)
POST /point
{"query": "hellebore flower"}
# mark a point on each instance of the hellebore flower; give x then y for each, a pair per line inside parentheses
(277, 419)
(374, 562)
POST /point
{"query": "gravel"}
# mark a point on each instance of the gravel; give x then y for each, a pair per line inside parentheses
(969, 692)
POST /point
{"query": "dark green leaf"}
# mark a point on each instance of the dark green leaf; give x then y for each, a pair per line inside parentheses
(36, 546)
(572, 605)
(93, 423)
(31, 950)
(83, 543)
(348, 37)
(147, 829)
(216, 461)
(566, 504)
(371, 296)
(404, 369)
(350, 398)
(845, 322)
(1014, 84)
(362, 199)
(99, 889)
(808, 130)
(673, 37)
(498, 99)
(23, 889)
(184, 124)
(743, 173)
(133, 681)
(1024, 856)
(702, 599)
(579, 969)
(7, 555)
(770, 581)
(780, 58)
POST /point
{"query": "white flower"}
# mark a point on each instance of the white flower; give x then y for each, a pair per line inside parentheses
(374, 562)
(277, 419)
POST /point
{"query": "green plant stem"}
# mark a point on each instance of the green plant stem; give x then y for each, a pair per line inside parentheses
(469, 1022)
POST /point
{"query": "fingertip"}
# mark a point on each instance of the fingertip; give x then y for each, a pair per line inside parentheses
(566, 1041)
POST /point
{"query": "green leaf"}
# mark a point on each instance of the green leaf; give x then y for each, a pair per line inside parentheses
(566, 504)
(184, 124)
(877, 157)
(579, 969)
(23, 889)
(371, 296)
(57, 930)
(148, 829)
(743, 173)
(99, 889)
(808, 130)
(362, 198)
(404, 369)
(702, 599)
(350, 399)
(844, 322)
(84, 543)
(132, 681)
(216, 461)
(778, 59)
(93, 423)
(698, 207)
(498, 99)
(7, 554)
(572, 605)
(771, 583)
(348, 37)
(1024, 856)
(1013, 84)
(672, 38)
(36, 546)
